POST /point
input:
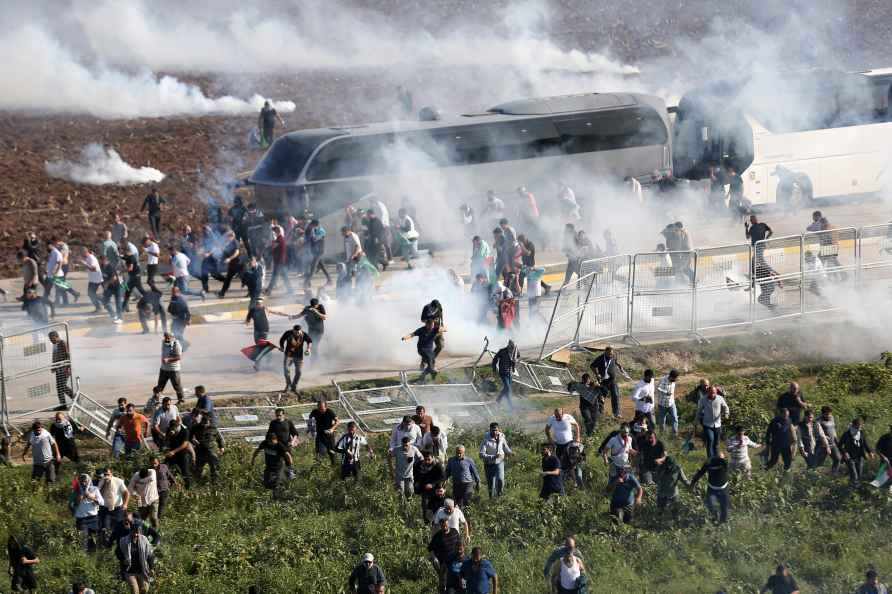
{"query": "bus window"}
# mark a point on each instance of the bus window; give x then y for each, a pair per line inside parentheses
(611, 131)
(352, 157)
(286, 158)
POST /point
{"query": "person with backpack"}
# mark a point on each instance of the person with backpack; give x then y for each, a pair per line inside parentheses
(504, 363)
(616, 450)
(434, 311)
(571, 461)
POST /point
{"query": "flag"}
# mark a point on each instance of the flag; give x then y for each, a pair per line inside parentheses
(258, 351)
(61, 283)
(882, 477)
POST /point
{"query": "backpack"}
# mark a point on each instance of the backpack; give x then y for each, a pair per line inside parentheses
(574, 453)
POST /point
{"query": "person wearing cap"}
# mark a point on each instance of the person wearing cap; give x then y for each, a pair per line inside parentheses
(85, 501)
(171, 364)
(872, 584)
(477, 573)
(625, 493)
(493, 451)
(366, 577)
(465, 479)
(666, 402)
(781, 582)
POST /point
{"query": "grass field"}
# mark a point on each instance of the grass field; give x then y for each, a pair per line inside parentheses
(226, 536)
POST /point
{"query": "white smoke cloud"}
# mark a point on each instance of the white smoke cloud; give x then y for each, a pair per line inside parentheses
(100, 166)
(40, 74)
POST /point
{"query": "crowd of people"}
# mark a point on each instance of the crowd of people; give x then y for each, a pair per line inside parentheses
(445, 479)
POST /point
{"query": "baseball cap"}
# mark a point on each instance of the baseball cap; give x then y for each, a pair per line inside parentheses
(368, 557)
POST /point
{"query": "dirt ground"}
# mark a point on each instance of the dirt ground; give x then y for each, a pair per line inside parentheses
(199, 154)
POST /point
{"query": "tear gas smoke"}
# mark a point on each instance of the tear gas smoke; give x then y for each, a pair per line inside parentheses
(99, 166)
(42, 75)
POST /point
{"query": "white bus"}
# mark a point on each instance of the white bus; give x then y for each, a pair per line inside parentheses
(442, 163)
(829, 132)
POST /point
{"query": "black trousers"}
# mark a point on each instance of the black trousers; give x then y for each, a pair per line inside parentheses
(151, 271)
(182, 462)
(155, 224)
(174, 377)
(780, 452)
(232, 270)
(206, 456)
(589, 414)
(134, 281)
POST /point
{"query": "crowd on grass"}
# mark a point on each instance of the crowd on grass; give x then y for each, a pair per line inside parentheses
(127, 513)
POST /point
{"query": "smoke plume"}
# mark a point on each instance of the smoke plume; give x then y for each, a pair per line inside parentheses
(100, 166)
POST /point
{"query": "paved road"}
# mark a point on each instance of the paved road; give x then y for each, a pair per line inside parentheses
(360, 341)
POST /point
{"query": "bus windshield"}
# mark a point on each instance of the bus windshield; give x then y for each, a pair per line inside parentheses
(285, 160)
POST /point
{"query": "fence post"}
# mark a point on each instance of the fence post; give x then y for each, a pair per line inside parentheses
(557, 302)
(631, 301)
(4, 412)
(801, 275)
(582, 309)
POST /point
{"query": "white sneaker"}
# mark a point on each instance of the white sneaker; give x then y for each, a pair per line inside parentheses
(117, 321)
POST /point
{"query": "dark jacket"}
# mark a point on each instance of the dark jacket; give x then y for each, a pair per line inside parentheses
(179, 310)
(848, 446)
(602, 367)
(505, 360)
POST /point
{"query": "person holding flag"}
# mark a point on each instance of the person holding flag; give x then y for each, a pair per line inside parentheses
(258, 313)
(884, 451)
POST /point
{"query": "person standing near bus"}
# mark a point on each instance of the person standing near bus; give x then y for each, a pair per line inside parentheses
(153, 203)
(266, 122)
(352, 250)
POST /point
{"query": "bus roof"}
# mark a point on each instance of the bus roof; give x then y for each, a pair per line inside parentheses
(282, 163)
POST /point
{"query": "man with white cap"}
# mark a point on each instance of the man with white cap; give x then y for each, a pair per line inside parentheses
(367, 577)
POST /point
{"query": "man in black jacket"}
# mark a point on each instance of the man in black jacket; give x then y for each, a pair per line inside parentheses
(605, 368)
(717, 500)
(854, 448)
(295, 343)
(780, 439)
(504, 363)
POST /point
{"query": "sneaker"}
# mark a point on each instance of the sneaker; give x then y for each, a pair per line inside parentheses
(77, 296)
(291, 474)
(221, 294)
(204, 295)
(117, 321)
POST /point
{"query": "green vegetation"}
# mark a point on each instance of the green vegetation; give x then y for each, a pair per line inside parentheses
(226, 536)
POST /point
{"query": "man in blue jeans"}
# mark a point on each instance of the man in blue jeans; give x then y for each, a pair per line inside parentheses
(717, 500)
(493, 451)
(504, 363)
(710, 412)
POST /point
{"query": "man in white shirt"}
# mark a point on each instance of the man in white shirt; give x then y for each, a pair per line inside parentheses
(144, 485)
(407, 428)
(161, 420)
(643, 397)
(617, 451)
(180, 264)
(666, 401)
(115, 499)
(153, 255)
(86, 502)
(739, 446)
(53, 271)
(352, 250)
(455, 519)
(408, 236)
(94, 277)
(560, 430)
(436, 442)
(493, 451)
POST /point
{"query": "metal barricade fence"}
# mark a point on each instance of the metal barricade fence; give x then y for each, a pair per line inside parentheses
(777, 278)
(605, 314)
(875, 257)
(452, 403)
(723, 290)
(662, 295)
(565, 317)
(90, 415)
(829, 269)
(35, 374)
(551, 378)
(375, 409)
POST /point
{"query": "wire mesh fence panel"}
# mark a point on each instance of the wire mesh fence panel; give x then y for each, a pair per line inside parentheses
(90, 415)
(384, 421)
(552, 379)
(523, 375)
(777, 268)
(829, 269)
(379, 398)
(457, 405)
(247, 422)
(561, 332)
(35, 372)
(663, 292)
(875, 255)
(606, 312)
(724, 296)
